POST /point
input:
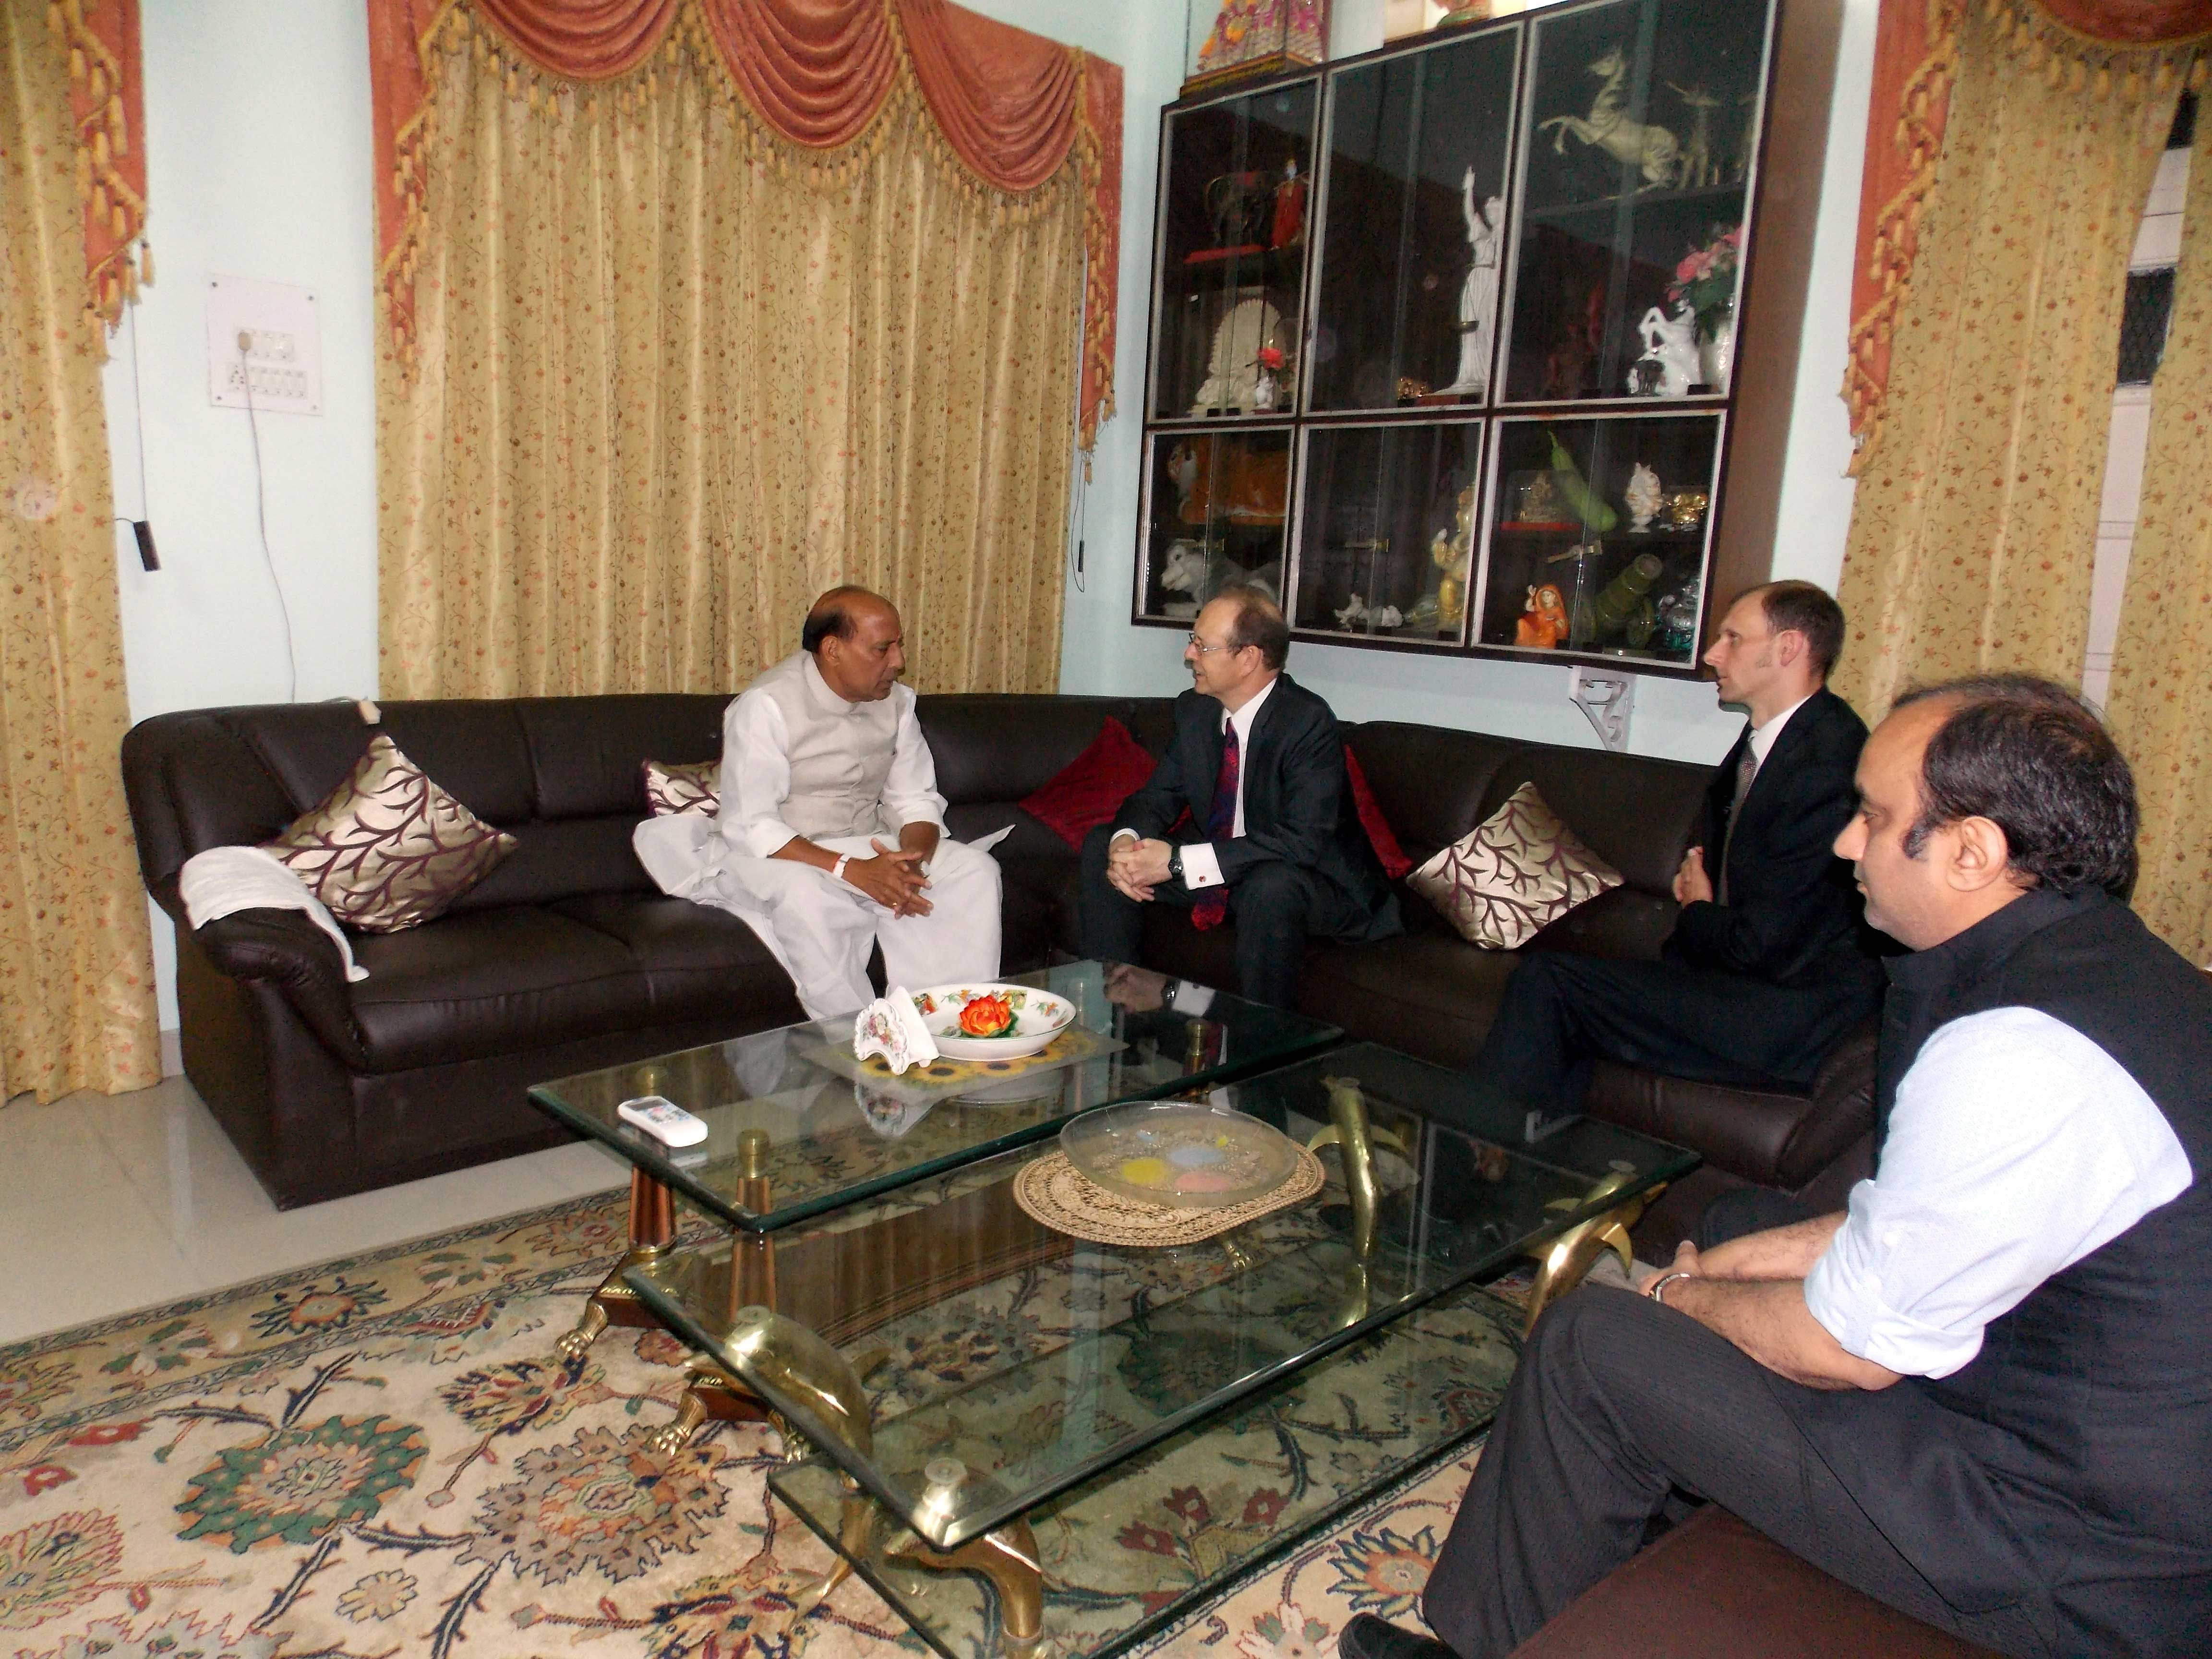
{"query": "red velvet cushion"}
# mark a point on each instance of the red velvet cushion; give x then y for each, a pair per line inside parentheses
(1089, 789)
(1380, 835)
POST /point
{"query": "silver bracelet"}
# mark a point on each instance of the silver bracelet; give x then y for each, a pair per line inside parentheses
(1659, 1285)
(837, 870)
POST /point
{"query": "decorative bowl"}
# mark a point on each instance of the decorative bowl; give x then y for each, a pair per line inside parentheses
(1033, 1019)
(1185, 1155)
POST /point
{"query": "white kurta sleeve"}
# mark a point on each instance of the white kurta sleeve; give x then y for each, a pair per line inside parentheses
(755, 776)
(2016, 1147)
(910, 788)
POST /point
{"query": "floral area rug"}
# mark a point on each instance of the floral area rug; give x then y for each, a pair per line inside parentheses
(382, 1456)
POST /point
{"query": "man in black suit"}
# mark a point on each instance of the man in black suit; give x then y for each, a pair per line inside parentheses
(1273, 841)
(1770, 965)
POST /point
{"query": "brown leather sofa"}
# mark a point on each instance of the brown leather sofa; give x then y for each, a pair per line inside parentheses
(565, 959)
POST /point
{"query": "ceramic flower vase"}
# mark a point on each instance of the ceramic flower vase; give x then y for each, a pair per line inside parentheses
(1717, 349)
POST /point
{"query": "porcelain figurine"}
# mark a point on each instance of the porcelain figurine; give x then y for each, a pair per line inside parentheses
(1644, 496)
(1654, 152)
(1478, 295)
(1454, 555)
(1544, 619)
(1232, 368)
(1699, 167)
(1671, 344)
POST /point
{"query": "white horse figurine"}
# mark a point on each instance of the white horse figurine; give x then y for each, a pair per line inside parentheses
(1654, 151)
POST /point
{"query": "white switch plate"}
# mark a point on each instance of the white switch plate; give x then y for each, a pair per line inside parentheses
(283, 366)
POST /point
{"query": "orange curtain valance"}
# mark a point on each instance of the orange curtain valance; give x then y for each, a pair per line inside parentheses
(108, 106)
(2084, 42)
(1009, 103)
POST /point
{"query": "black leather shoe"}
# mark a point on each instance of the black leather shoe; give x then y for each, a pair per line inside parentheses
(1369, 1638)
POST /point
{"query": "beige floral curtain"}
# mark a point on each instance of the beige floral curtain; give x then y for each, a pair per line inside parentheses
(1973, 535)
(2162, 694)
(674, 375)
(76, 997)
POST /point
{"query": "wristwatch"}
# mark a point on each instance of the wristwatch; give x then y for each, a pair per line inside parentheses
(1175, 863)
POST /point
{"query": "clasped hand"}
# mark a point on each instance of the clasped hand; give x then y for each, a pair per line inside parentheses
(893, 879)
(1692, 884)
(1135, 867)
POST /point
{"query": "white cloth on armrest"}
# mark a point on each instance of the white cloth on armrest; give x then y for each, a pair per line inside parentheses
(224, 879)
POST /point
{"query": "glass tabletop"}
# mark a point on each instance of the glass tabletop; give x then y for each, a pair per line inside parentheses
(797, 1126)
(1090, 1353)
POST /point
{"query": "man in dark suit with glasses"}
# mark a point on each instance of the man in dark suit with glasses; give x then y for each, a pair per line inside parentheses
(1273, 841)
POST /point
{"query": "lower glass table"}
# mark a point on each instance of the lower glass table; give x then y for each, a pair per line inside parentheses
(955, 1375)
(798, 1128)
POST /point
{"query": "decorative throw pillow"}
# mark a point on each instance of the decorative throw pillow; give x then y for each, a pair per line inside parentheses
(683, 786)
(1519, 872)
(389, 849)
(1380, 835)
(1089, 789)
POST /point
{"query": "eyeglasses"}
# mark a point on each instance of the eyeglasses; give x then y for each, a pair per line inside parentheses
(1205, 650)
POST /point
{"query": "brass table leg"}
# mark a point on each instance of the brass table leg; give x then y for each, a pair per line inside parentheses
(1562, 1262)
(1008, 1557)
(652, 1231)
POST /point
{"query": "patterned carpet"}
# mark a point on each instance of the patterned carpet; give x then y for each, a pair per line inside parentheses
(381, 1456)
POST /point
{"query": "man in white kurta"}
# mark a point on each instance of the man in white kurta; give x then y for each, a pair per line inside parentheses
(831, 825)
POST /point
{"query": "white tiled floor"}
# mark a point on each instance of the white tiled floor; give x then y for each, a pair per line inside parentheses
(109, 1203)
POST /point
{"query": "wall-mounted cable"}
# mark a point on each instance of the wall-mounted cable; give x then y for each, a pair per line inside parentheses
(261, 514)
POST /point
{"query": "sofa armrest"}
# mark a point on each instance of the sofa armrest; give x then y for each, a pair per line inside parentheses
(1842, 1112)
(290, 952)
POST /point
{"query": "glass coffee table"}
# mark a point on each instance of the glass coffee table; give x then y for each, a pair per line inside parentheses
(797, 1128)
(1102, 1435)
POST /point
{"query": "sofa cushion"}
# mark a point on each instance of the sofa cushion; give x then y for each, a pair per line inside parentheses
(673, 788)
(388, 848)
(1089, 789)
(991, 747)
(561, 858)
(1430, 995)
(1431, 783)
(584, 752)
(492, 982)
(698, 962)
(1512, 875)
(1374, 820)
(1637, 814)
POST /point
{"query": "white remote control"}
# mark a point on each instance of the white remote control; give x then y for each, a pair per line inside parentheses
(664, 1119)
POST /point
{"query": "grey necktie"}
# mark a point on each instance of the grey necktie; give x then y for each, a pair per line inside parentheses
(1747, 769)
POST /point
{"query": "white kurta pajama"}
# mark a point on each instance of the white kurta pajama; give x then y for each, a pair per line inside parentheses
(799, 762)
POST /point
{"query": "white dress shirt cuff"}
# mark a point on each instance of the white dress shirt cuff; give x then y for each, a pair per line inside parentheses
(1191, 1000)
(765, 837)
(1201, 867)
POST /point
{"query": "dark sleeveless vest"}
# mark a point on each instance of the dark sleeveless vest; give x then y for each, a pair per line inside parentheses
(2090, 1404)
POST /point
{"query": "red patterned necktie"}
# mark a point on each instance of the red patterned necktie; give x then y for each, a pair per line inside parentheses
(1212, 907)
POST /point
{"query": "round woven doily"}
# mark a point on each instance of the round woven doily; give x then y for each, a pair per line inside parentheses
(1055, 1193)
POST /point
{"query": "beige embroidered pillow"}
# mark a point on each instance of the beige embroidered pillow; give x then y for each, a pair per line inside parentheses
(389, 849)
(1519, 872)
(686, 787)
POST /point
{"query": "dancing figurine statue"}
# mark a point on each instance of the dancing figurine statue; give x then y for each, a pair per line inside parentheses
(1478, 295)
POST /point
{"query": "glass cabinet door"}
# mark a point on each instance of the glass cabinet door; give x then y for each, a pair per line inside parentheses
(1234, 208)
(1215, 503)
(1639, 136)
(1598, 530)
(1414, 238)
(1387, 530)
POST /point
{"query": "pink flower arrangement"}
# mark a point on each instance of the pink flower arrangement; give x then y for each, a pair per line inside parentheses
(1705, 280)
